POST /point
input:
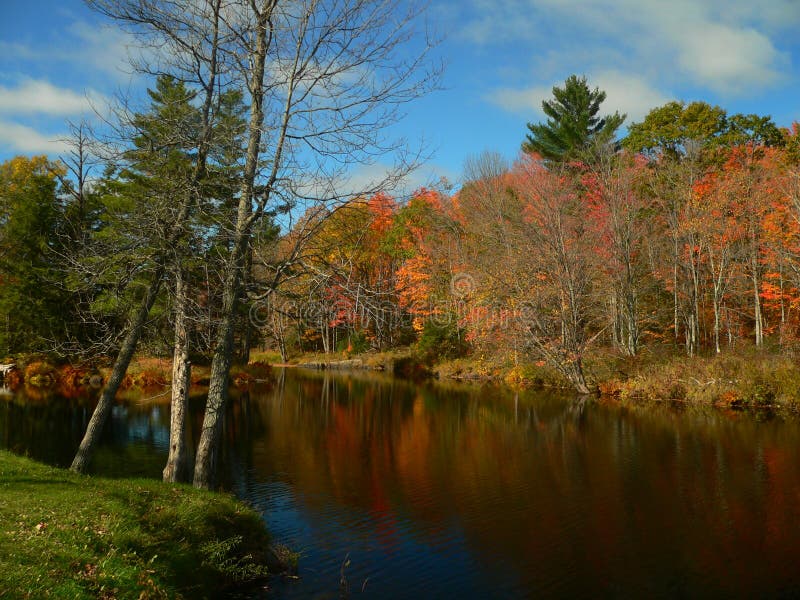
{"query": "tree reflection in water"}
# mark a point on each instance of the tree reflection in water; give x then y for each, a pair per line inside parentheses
(459, 490)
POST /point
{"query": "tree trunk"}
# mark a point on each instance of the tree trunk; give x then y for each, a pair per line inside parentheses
(577, 378)
(207, 450)
(247, 334)
(757, 316)
(172, 237)
(176, 469)
(675, 259)
(205, 469)
(616, 329)
(695, 302)
(280, 336)
(782, 329)
(326, 344)
(631, 308)
(95, 427)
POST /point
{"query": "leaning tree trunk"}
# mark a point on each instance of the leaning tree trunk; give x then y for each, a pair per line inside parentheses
(176, 469)
(574, 372)
(95, 428)
(205, 468)
(173, 234)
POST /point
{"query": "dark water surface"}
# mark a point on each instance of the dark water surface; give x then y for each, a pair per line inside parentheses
(452, 492)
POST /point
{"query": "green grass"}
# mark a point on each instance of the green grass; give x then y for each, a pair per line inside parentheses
(266, 356)
(70, 536)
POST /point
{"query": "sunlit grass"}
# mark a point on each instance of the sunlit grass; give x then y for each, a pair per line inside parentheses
(70, 536)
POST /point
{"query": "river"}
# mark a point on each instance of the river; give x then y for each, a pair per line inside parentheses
(455, 491)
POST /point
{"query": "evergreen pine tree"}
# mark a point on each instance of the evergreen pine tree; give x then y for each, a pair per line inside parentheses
(573, 126)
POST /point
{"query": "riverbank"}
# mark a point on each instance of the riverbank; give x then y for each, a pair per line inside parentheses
(743, 380)
(72, 536)
(746, 379)
(751, 380)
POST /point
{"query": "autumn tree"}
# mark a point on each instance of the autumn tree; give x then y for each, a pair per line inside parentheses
(34, 310)
(425, 240)
(493, 251)
(620, 214)
(715, 223)
(558, 311)
(781, 226)
(355, 270)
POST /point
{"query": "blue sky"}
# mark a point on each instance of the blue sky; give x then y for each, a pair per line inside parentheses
(57, 59)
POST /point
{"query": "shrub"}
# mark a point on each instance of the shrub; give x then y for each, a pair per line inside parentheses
(355, 343)
(441, 340)
(40, 374)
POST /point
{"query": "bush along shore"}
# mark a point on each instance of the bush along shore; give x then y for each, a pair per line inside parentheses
(40, 379)
(64, 535)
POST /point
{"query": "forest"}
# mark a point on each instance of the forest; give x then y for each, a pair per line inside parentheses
(683, 233)
(210, 226)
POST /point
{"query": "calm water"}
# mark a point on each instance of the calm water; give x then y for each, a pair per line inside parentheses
(443, 491)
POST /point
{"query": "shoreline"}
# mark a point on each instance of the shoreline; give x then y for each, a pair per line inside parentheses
(739, 381)
(742, 381)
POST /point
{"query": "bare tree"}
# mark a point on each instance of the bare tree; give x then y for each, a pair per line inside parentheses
(79, 162)
(325, 78)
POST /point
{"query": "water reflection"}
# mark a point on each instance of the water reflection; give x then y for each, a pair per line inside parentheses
(460, 491)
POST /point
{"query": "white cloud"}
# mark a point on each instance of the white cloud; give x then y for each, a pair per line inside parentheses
(628, 94)
(38, 96)
(729, 60)
(25, 140)
(106, 49)
(525, 100)
(376, 177)
(102, 51)
(727, 46)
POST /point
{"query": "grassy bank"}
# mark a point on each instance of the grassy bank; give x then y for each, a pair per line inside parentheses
(749, 380)
(70, 536)
(735, 379)
(746, 379)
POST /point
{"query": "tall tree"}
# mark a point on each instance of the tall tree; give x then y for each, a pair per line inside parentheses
(573, 123)
(561, 254)
(189, 36)
(32, 311)
(620, 214)
(676, 130)
(339, 71)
